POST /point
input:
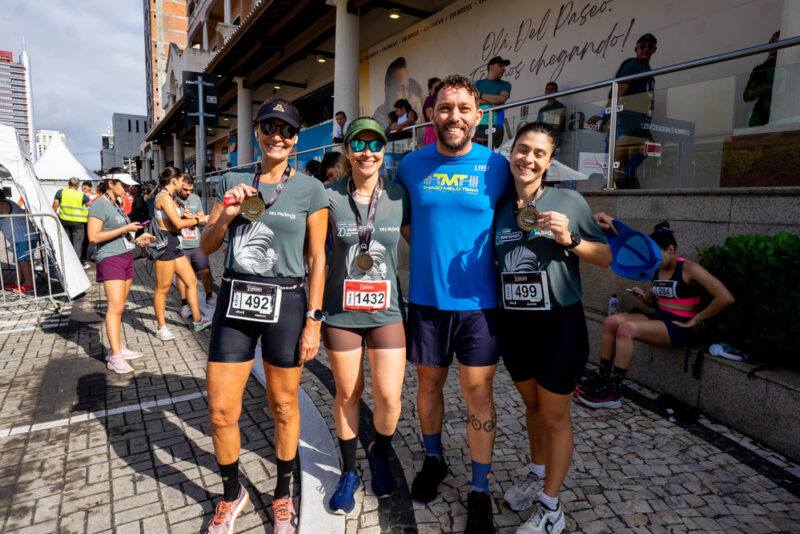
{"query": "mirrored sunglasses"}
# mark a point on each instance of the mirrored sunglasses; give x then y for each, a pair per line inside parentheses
(287, 131)
(358, 145)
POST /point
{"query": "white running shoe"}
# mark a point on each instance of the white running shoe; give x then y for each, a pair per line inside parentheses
(202, 324)
(186, 311)
(129, 354)
(164, 334)
(521, 495)
(116, 363)
(543, 520)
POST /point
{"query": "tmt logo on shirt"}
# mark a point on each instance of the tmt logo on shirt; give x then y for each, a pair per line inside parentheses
(462, 183)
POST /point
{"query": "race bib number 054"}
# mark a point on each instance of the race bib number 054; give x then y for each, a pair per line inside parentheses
(369, 296)
(525, 291)
(253, 301)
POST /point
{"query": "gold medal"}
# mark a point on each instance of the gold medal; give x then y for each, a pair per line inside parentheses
(528, 218)
(253, 208)
(364, 262)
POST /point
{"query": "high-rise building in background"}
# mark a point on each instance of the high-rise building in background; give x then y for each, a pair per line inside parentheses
(165, 22)
(43, 138)
(121, 146)
(16, 105)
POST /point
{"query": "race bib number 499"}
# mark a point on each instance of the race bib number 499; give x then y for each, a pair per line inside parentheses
(370, 296)
(525, 291)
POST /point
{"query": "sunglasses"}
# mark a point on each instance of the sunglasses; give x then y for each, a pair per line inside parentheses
(646, 47)
(287, 131)
(358, 145)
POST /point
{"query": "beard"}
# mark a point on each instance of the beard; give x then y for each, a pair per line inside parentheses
(455, 147)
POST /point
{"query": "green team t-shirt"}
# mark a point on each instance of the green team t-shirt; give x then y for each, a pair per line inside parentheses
(195, 205)
(520, 251)
(392, 212)
(112, 218)
(272, 246)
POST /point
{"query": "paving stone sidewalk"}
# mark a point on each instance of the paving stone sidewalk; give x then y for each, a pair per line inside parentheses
(84, 450)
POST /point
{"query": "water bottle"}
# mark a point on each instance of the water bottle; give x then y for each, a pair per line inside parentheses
(613, 304)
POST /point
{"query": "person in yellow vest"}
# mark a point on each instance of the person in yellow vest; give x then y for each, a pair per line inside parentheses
(72, 207)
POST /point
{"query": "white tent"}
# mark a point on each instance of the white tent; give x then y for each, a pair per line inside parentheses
(15, 165)
(58, 163)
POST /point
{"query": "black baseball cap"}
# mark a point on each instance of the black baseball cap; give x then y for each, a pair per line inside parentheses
(277, 110)
(498, 59)
(647, 38)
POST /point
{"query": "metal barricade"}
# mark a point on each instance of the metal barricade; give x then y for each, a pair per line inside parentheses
(27, 256)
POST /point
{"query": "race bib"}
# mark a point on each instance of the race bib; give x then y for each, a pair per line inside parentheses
(665, 289)
(129, 245)
(189, 233)
(254, 301)
(525, 291)
(369, 296)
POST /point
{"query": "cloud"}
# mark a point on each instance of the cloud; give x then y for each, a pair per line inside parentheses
(87, 63)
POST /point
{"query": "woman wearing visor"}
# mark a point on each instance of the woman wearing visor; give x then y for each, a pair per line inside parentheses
(268, 215)
(541, 235)
(363, 307)
(110, 230)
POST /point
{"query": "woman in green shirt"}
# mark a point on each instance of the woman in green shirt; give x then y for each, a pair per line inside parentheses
(363, 306)
(540, 235)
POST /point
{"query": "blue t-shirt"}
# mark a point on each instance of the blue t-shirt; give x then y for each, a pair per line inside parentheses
(452, 207)
(493, 87)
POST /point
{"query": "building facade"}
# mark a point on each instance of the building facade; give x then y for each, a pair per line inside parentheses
(165, 23)
(120, 148)
(43, 138)
(15, 96)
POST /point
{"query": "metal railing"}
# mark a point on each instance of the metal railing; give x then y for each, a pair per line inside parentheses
(613, 83)
(31, 256)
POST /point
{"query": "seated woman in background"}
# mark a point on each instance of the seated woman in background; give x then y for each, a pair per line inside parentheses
(675, 292)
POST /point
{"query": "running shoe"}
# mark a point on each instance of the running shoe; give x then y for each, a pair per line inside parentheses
(129, 354)
(521, 495)
(211, 301)
(202, 324)
(425, 487)
(286, 519)
(604, 398)
(164, 334)
(86, 265)
(594, 382)
(186, 311)
(25, 288)
(383, 482)
(12, 286)
(117, 363)
(479, 513)
(226, 513)
(543, 520)
(342, 501)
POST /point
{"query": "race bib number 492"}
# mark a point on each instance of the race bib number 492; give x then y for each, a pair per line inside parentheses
(370, 296)
(252, 301)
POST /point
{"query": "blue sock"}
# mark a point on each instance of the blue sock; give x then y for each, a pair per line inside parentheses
(433, 445)
(480, 477)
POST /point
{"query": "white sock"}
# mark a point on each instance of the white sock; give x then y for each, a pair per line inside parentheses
(550, 502)
(537, 470)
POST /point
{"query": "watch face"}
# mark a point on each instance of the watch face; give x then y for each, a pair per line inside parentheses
(316, 315)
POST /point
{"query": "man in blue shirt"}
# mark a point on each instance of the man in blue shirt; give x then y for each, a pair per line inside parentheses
(453, 186)
(493, 91)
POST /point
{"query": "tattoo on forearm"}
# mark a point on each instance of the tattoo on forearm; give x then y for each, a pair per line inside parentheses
(487, 426)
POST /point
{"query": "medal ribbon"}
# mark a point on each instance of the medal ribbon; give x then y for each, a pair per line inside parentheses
(364, 232)
(278, 189)
(535, 196)
(119, 210)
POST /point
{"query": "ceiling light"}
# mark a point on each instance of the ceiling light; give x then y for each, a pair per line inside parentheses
(276, 87)
(321, 58)
(394, 13)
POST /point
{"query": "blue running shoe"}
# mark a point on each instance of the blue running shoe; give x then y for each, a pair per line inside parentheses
(383, 482)
(342, 501)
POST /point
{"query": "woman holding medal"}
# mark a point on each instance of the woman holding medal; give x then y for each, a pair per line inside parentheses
(363, 306)
(269, 216)
(109, 229)
(541, 233)
(169, 217)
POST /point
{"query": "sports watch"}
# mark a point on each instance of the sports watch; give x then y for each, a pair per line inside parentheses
(576, 240)
(315, 315)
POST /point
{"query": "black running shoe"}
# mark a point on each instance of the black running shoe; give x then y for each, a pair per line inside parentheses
(425, 487)
(479, 513)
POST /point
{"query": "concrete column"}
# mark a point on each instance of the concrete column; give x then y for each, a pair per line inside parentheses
(345, 84)
(244, 122)
(160, 160)
(177, 151)
(205, 35)
(226, 11)
(147, 175)
(785, 106)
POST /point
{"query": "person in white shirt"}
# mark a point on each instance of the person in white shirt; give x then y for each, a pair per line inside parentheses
(340, 127)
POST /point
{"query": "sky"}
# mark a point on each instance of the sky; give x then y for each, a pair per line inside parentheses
(87, 63)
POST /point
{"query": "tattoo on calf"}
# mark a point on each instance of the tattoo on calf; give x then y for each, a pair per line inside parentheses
(487, 426)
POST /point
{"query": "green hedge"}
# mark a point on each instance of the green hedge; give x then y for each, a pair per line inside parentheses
(763, 273)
